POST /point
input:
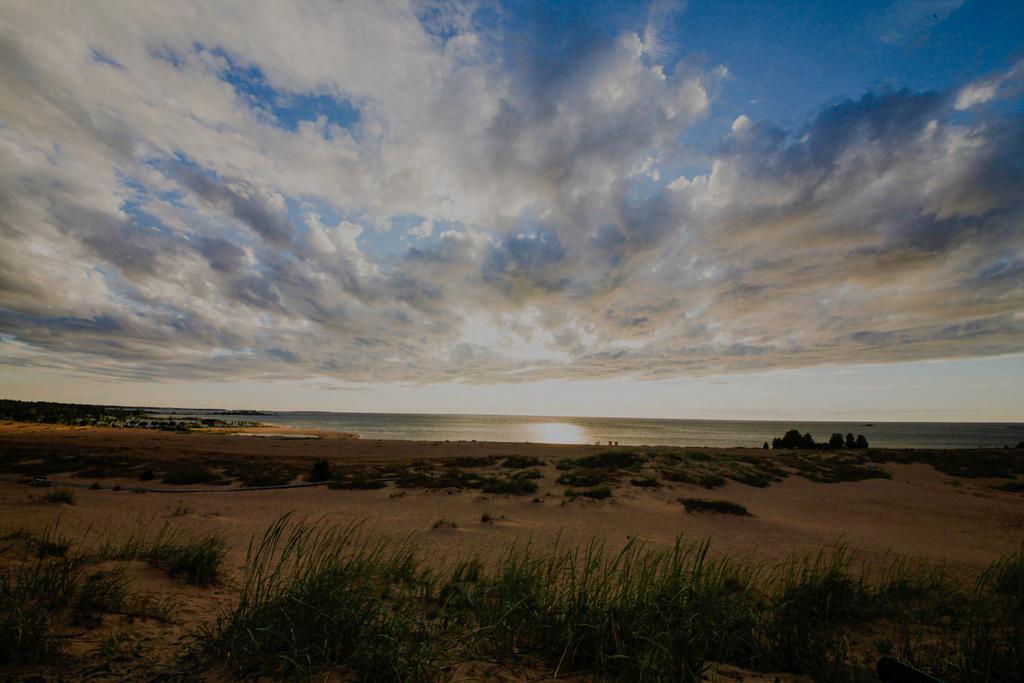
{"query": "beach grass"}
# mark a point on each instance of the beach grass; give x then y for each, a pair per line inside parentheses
(44, 590)
(317, 597)
(197, 558)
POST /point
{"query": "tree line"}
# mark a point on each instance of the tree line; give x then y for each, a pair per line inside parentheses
(794, 439)
(60, 413)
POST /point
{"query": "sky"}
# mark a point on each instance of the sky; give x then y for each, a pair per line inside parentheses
(705, 210)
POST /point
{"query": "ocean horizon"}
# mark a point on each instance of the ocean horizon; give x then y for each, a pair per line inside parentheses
(626, 431)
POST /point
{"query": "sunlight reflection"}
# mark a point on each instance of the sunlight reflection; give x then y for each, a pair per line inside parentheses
(558, 432)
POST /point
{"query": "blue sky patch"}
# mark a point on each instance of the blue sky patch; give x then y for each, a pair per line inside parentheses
(284, 108)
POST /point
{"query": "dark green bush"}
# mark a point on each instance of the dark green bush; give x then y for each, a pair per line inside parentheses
(60, 496)
(520, 462)
(184, 473)
(597, 493)
(514, 486)
(321, 471)
(722, 507)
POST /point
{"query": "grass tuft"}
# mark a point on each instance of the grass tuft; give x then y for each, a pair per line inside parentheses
(198, 558)
(721, 507)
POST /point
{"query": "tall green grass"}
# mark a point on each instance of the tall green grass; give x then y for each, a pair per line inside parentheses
(639, 614)
(317, 598)
(990, 642)
(317, 595)
(43, 590)
(198, 558)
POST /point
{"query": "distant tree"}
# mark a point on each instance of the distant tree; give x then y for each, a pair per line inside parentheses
(793, 439)
(1020, 445)
(861, 441)
(850, 441)
(765, 446)
(836, 441)
(321, 471)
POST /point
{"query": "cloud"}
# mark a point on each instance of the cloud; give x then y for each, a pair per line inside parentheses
(1000, 85)
(376, 192)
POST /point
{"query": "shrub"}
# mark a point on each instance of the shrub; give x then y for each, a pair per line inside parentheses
(722, 507)
(147, 474)
(611, 459)
(266, 478)
(678, 476)
(321, 471)
(520, 462)
(514, 486)
(750, 478)
(645, 482)
(184, 473)
(60, 496)
(470, 461)
(710, 481)
(597, 493)
(582, 478)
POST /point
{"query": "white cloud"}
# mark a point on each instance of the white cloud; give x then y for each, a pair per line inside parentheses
(985, 90)
(158, 222)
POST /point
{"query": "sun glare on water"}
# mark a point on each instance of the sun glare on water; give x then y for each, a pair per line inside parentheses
(558, 432)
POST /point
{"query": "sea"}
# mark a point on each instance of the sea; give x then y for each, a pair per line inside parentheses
(630, 431)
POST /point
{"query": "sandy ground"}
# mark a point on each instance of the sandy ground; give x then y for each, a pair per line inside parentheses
(920, 513)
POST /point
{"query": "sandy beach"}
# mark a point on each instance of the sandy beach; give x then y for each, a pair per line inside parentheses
(919, 513)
